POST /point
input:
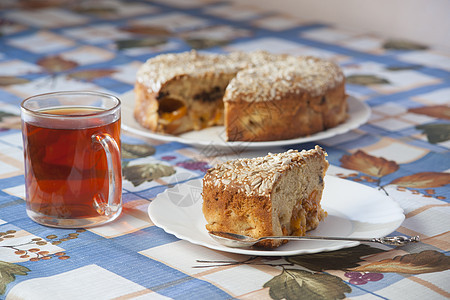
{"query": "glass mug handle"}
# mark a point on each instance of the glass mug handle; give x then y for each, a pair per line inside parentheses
(113, 160)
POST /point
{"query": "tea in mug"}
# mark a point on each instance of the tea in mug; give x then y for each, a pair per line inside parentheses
(66, 172)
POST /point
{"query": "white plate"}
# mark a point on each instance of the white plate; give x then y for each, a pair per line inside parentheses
(359, 113)
(354, 210)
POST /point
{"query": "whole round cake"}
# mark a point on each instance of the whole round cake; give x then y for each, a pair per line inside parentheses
(257, 96)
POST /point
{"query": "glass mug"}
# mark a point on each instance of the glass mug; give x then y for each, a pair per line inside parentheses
(73, 172)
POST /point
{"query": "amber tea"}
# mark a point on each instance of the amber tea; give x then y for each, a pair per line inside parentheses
(68, 177)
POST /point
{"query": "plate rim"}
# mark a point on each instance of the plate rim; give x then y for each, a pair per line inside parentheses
(273, 252)
(354, 121)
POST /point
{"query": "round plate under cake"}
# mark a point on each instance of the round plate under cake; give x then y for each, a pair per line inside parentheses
(361, 212)
(358, 114)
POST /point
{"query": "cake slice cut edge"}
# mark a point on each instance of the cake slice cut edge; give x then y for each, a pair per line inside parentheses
(278, 194)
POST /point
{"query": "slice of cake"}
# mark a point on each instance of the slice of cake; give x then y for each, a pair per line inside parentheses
(278, 194)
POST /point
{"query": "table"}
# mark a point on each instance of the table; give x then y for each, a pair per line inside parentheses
(402, 150)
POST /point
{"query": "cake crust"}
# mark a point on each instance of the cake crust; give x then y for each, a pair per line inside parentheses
(292, 116)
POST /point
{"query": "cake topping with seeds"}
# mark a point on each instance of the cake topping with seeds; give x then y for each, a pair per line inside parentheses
(260, 75)
(256, 176)
(162, 68)
(284, 75)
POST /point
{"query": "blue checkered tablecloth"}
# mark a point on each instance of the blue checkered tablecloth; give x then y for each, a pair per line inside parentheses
(98, 45)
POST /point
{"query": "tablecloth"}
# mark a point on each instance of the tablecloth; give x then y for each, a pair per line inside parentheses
(402, 151)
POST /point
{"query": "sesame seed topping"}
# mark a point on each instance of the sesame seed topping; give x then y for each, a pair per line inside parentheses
(258, 76)
(257, 176)
(282, 75)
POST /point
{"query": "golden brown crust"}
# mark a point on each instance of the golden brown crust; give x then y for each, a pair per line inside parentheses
(146, 108)
(235, 212)
(291, 117)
